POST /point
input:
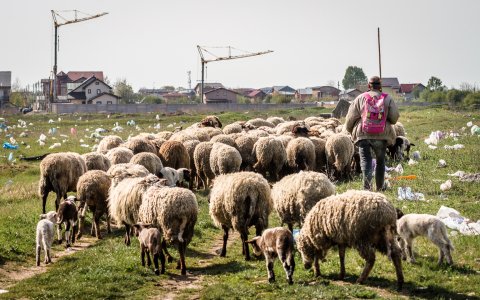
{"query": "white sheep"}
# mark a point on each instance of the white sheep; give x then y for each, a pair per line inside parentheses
(270, 156)
(340, 149)
(301, 154)
(44, 236)
(175, 177)
(224, 159)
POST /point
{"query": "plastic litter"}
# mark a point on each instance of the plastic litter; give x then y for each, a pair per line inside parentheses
(416, 155)
(412, 162)
(157, 126)
(23, 134)
(55, 145)
(13, 141)
(398, 169)
(131, 123)
(7, 145)
(446, 186)
(406, 193)
(100, 130)
(475, 130)
(454, 147)
(84, 146)
(157, 117)
(434, 137)
(117, 128)
(442, 163)
(408, 177)
(296, 233)
(51, 121)
(454, 220)
(10, 156)
(52, 131)
(469, 124)
(457, 174)
(470, 177)
(73, 131)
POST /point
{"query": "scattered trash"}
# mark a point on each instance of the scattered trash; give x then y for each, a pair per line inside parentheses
(131, 123)
(398, 169)
(434, 137)
(416, 155)
(51, 121)
(101, 130)
(13, 141)
(157, 117)
(73, 131)
(3, 291)
(81, 141)
(470, 177)
(59, 119)
(7, 145)
(10, 156)
(52, 131)
(405, 193)
(469, 124)
(446, 186)
(408, 177)
(457, 174)
(56, 145)
(412, 162)
(454, 220)
(138, 128)
(84, 146)
(170, 125)
(23, 134)
(442, 163)
(454, 147)
(295, 233)
(475, 130)
(157, 126)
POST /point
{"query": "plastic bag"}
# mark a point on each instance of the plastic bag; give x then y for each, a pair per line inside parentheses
(406, 193)
(7, 145)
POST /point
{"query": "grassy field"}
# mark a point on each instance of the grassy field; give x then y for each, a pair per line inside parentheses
(110, 270)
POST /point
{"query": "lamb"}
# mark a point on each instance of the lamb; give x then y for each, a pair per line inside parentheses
(119, 155)
(45, 235)
(360, 219)
(149, 160)
(59, 172)
(238, 201)
(96, 161)
(412, 225)
(340, 150)
(175, 177)
(301, 154)
(174, 211)
(397, 151)
(296, 194)
(124, 200)
(67, 214)
(140, 144)
(275, 242)
(174, 154)
(201, 157)
(109, 142)
(224, 159)
(270, 156)
(92, 192)
(150, 242)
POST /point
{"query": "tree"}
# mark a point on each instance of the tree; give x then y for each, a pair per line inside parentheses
(455, 96)
(472, 99)
(435, 84)
(169, 88)
(151, 99)
(125, 91)
(354, 76)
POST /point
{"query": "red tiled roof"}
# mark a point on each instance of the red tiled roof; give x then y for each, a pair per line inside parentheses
(407, 87)
(255, 93)
(75, 75)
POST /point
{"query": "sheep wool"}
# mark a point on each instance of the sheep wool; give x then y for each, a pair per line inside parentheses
(320, 154)
(340, 150)
(301, 154)
(149, 160)
(258, 122)
(96, 161)
(224, 159)
(201, 157)
(225, 139)
(174, 154)
(270, 156)
(119, 155)
(140, 144)
(109, 142)
(245, 145)
(121, 171)
(232, 128)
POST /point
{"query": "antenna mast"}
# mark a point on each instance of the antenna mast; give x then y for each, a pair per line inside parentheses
(379, 54)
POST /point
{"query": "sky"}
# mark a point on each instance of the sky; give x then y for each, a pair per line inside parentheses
(152, 43)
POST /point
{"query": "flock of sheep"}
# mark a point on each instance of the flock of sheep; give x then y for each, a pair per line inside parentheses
(139, 183)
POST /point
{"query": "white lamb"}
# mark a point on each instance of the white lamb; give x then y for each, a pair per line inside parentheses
(175, 177)
(45, 235)
(412, 225)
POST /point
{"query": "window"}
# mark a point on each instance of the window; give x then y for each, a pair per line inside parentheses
(89, 91)
(109, 102)
(99, 102)
(98, 91)
(97, 83)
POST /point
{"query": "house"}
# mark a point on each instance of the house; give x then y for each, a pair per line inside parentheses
(93, 91)
(350, 94)
(390, 85)
(220, 95)
(243, 91)
(303, 94)
(283, 90)
(174, 96)
(154, 92)
(67, 82)
(325, 92)
(407, 90)
(207, 87)
(257, 95)
(5, 86)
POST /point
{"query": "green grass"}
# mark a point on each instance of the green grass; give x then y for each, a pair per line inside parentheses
(111, 270)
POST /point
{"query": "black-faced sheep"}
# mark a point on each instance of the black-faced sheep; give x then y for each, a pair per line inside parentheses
(59, 172)
(224, 159)
(270, 156)
(412, 225)
(174, 211)
(92, 192)
(67, 214)
(340, 150)
(201, 157)
(360, 219)
(401, 148)
(44, 236)
(296, 194)
(174, 155)
(109, 142)
(238, 201)
(150, 240)
(119, 155)
(301, 154)
(276, 242)
(96, 161)
(149, 160)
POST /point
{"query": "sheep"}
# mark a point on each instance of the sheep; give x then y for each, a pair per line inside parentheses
(175, 177)
(59, 172)
(67, 214)
(270, 156)
(232, 128)
(173, 154)
(190, 146)
(150, 240)
(238, 201)
(149, 160)
(363, 220)
(260, 122)
(399, 129)
(124, 200)
(296, 194)
(121, 171)
(183, 136)
(201, 157)
(119, 155)
(285, 139)
(224, 159)
(109, 142)
(412, 225)
(285, 127)
(211, 121)
(45, 235)
(225, 139)
(320, 154)
(275, 120)
(174, 211)
(203, 133)
(157, 142)
(340, 150)
(276, 242)
(397, 151)
(92, 192)
(300, 130)
(301, 154)
(256, 133)
(164, 135)
(96, 161)
(140, 144)
(245, 145)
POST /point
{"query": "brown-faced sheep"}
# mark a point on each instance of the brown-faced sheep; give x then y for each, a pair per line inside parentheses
(149, 160)
(270, 156)
(174, 155)
(360, 219)
(201, 157)
(238, 201)
(340, 150)
(140, 144)
(224, 159)
(174, 211)
(301, 154)
(245, 145)
(59, 172)
(96, 161)
(119, 155)
(109, 142)
(92, 192)
(296, 194)
(150, 240)
(67, 214)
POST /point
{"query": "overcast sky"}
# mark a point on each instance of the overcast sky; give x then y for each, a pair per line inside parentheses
(153, 43)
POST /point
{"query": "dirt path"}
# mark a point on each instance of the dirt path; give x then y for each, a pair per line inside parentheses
(11, 273)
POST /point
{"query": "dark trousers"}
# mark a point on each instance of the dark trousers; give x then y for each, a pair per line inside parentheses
(379, 147)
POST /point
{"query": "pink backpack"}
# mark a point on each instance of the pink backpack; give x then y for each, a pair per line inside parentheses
(374, 116)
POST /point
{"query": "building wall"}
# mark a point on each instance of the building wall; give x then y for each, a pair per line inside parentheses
(105, 100)
(221, 95)
(96, 89)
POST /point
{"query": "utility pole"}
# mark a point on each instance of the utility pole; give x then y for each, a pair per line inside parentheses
(379, 54)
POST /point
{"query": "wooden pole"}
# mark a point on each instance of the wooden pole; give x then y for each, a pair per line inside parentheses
(379, 54)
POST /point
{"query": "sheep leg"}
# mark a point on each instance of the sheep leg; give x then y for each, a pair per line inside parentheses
(409, 250)
(108, 222)
(81, 222)
(182, 248)
(155, 263)
(368, 254)
(246, 249)
(97, 214)
(164, 248)
(48, 258)
(127, 234)
(44, 201)
(447, 253)
(288, 265)
(74, 231)
(67, 235)
(397, 262)
(341, 253)
(290, 227)
(142, 256)
(271, 274)
(402, 245)
(37, 254)
(162, 262)
(316, 265)
(149, 261)
(59, 233)
(225, 238)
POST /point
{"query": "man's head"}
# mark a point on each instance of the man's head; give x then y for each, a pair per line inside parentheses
(374, 83)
